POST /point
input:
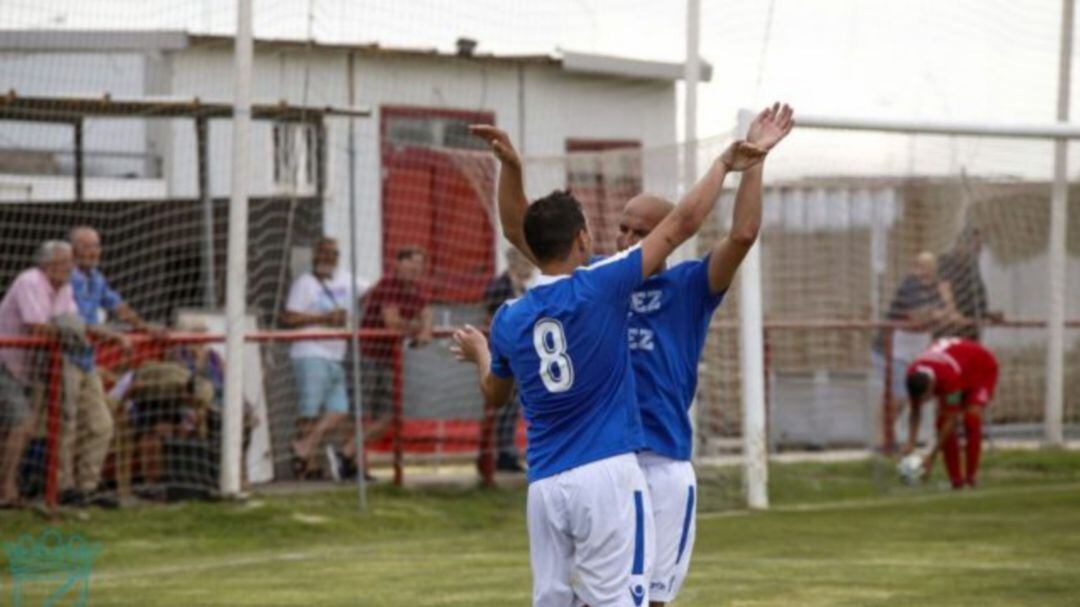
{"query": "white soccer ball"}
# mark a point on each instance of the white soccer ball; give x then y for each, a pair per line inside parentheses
(910, 469)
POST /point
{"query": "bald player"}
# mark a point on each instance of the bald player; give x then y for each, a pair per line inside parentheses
(668, 324)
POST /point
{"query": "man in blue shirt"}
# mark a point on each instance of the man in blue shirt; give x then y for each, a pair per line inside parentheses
(667, 328)
(87, 422)
(564, 343)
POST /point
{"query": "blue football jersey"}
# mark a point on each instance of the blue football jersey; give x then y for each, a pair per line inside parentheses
(564, 342)
(669, 321)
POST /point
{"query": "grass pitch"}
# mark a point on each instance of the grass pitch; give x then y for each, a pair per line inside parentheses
(833, 538)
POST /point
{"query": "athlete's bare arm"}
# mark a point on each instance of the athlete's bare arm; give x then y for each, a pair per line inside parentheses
(775, 121)
(470, 345)
(914, 421)
(688, 216)
(952, 420)
(511, 189)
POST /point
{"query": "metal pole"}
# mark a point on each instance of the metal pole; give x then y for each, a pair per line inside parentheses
(752, 352)
(1016, 130)
(691, 75)
(210, 299)
(1059, 200)
(354, 297)
(236, 291)
(79, 167)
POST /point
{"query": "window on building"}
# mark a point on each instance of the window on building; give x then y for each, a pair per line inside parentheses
(295, 157)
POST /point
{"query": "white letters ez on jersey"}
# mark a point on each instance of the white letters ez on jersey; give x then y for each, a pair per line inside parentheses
(641, 339)
(556, 368)
(643, 302)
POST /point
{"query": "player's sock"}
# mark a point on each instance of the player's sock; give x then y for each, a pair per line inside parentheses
(973, 429)
(950, 452)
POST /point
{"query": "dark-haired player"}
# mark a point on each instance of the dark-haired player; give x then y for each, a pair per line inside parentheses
(962, 374)
(669, 320)
(564, 343)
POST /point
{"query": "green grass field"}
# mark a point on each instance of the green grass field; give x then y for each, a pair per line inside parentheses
(832, 538)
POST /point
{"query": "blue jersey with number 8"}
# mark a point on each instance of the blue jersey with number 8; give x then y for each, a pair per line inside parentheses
(564, 343)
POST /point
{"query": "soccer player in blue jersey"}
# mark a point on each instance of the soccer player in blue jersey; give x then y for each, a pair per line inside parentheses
(668, 323)
(564, 342)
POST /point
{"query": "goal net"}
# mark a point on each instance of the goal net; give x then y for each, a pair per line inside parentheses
(872, 244)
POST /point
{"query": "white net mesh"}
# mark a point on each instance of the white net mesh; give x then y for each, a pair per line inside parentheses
(846, 214)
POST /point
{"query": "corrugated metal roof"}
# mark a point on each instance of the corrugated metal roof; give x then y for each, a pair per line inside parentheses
(177, 40)
(66, 108)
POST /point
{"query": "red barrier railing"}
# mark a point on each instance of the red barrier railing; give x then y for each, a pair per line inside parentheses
(888, 329)
(147, 347)
(150, 347)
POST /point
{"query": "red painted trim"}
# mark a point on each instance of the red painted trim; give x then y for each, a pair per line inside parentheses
(578, 144)
(415, 111)
(398, 388)
(52, 424)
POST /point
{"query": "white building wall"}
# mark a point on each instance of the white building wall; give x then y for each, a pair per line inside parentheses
(557, 106)
(48, 188)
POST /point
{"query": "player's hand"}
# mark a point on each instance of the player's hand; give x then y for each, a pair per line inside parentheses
(423, 338)
(927, 468)
(468, 343)
(771, 126)
(499, 142)
(123, 342)
(742, 155)
(336, 318)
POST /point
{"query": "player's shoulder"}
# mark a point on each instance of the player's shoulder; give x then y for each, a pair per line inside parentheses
(690, 268)
(509, 315)
(510, 308)
(597, 262)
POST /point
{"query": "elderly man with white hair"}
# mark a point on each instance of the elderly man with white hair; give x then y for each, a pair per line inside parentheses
(86, 436)
(37, 297)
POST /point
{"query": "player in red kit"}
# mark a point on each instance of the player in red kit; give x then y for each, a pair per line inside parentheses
(962, 374)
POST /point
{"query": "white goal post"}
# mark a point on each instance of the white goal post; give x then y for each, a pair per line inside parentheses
(751, 311)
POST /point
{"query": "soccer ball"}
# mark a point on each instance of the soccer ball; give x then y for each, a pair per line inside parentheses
(910, 469)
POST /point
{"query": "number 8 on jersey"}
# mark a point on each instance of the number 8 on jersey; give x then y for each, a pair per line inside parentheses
(556, 368)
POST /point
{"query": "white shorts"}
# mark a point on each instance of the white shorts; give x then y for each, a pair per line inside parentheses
(590, 536)
(673, 488)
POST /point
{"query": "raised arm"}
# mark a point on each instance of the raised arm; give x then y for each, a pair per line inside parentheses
(686, 219)
(512, 201)
(773, 122)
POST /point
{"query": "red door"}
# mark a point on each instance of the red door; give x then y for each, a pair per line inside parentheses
(439, 198)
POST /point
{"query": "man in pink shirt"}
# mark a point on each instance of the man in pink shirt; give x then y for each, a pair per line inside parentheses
(37, 296)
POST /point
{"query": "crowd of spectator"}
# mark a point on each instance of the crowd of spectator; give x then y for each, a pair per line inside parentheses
(66, 299)
(178, 396)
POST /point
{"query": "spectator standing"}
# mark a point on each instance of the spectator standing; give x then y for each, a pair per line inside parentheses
(923, 304)
(508, 285)
(320, 300)
(38, 295)
(397, 302)
(960, 269)
(88, 431)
